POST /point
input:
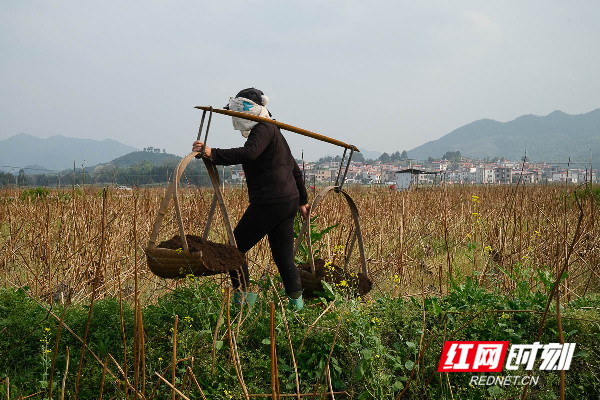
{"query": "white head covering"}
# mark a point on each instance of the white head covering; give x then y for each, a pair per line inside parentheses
(243, 105)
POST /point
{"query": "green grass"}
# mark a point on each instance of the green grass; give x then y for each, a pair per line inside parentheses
(376, 348)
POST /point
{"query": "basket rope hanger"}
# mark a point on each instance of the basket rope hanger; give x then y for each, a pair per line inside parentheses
(172, 191)
(161, 260)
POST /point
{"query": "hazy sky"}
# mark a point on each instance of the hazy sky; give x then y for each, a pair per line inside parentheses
(383, 75)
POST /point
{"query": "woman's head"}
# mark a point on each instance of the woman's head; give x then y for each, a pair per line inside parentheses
(256, 95)
(249, 101)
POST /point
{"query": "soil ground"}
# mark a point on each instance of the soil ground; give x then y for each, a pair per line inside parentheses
(216, 256)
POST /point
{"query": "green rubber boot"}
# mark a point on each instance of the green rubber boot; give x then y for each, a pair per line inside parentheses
(244, 297)
(296, 304)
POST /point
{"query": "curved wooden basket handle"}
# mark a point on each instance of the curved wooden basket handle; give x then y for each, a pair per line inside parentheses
(357, 234)
(172, 192)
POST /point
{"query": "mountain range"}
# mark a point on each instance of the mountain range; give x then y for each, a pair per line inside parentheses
(553, 137)
(57, 152)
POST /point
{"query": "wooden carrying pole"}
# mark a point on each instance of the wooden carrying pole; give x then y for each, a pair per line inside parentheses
(281, 125)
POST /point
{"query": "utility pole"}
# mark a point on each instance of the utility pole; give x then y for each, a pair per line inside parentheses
(410, 160)
(592, 188)
(303, 170)
(82, 188)
(484, 180)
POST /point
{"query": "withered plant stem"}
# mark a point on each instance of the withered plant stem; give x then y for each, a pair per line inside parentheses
(96, 278)
(62, 317)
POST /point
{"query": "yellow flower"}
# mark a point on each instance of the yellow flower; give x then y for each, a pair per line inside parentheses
(179, 250)
(343, 283)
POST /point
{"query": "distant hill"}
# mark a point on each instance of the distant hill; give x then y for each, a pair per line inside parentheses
(34, 170)
(58, 152)
(553, 137)
(137, 157)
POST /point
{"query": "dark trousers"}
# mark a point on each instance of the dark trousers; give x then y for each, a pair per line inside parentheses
(277, 221)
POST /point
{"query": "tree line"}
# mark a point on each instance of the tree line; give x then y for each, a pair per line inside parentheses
(384, 158)
(142, 174)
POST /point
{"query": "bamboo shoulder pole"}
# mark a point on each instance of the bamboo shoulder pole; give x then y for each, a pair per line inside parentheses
(281, 125)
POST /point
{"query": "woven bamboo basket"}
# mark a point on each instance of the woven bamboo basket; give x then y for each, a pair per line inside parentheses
(168, 263)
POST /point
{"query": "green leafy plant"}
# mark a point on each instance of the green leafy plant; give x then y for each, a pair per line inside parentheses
(316, 235)
(34, 194)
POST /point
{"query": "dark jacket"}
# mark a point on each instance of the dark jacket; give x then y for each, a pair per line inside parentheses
(271, 172)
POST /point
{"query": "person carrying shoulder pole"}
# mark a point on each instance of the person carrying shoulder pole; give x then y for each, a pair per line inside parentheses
(276, 191)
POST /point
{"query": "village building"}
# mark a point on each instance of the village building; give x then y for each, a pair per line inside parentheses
(484, 174)
(503, 175)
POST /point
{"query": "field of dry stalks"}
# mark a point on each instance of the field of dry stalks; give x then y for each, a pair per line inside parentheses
(71, 248)
(414, 241)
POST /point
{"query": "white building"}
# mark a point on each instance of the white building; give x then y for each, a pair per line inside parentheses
(406, 178)
(572, 176)
(403, 179)
(374, 176)
(484, 174)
